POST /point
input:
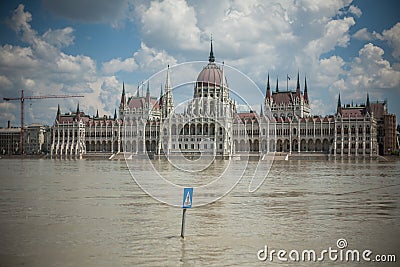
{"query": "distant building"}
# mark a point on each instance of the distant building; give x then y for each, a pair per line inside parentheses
(10, 139)
(36, 139)
(35, 142)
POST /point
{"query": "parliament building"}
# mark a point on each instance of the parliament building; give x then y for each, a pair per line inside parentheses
(211, 124)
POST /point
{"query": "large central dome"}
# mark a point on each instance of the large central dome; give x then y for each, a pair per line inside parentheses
(211, 75)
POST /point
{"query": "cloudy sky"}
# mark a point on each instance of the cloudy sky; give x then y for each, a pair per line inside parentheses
(90, 47)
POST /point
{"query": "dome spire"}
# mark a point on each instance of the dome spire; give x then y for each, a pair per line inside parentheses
(211, 58)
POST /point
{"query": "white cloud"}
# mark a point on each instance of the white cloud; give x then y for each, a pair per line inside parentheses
(328, 71)
(110, 94)
(170, 24)
(41, 67)
(355, 10)
(369, 70)
(59, 37)
(363, 35)
(336, 33)
(320, 107)
(16, 58)
(19, 22)
(151, 60)
(392, 36)
(115, 65)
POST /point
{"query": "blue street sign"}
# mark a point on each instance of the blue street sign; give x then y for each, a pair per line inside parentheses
(187, 198)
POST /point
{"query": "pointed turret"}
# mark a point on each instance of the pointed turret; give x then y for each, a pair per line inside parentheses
(277, 87)
(148, 92)
(78, 113)
(137, 92)
(115, 114)
(97, 113)
(368, 105)
(160, 100)
(298, 85)
(58, 113)
(123, 97)
(211, 58)
(339, 105)
(168, 102)
(305, 90)
(268, 93)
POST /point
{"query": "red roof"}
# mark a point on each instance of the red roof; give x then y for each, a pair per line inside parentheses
(246, 115)
(353, 112)
(140, 102)
(282, 97)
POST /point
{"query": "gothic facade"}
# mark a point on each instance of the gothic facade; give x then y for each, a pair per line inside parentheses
(210, 124)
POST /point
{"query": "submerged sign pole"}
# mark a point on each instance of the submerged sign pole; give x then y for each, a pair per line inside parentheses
(186, 204)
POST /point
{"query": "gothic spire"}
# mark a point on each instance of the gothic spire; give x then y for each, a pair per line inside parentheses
(368, 105)
(148, 92)
(268, 93)
(161, 96)
(167, 99)
(339, 105)
(167, 80)
(277, 87)
(58, 113)
(305, 89)
(211, 58)
(115, 114)
(223, 81)
(97, 113)
(123, 97)
(298, 85)
(78, 113)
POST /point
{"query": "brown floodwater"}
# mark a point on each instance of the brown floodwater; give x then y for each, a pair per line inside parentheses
(92, 213)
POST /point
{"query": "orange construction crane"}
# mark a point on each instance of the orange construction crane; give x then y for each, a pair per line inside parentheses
(22, 99)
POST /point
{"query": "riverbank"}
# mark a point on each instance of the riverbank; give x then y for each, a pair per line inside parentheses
(278, 156)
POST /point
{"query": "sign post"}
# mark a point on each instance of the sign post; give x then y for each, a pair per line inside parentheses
(186, 204)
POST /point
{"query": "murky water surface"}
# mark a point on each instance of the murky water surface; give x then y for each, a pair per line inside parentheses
(92, 213)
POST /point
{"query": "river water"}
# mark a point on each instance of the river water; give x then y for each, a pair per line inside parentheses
(92, 213)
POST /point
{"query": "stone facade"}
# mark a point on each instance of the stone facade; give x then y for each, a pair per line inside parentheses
(210, 124)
